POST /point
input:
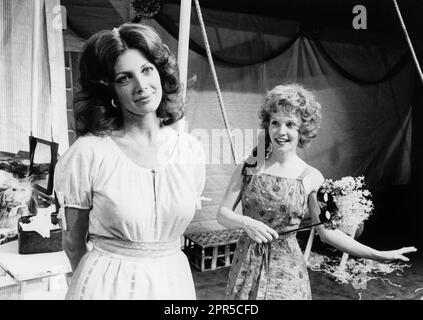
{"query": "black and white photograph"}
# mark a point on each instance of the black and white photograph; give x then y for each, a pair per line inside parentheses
(224, 151)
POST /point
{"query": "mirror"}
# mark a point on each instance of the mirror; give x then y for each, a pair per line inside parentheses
(43, 158)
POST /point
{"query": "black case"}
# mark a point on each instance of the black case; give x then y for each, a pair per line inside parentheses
(30, 242)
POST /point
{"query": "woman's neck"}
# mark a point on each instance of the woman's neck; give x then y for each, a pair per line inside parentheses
(283, 158)
(283, 164)
(147, 127)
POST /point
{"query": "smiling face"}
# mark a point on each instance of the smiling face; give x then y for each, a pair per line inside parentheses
(284, 131)
(137, 84)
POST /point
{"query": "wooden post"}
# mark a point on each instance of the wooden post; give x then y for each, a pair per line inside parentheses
(227, 255)
(309, 244)
(202, 260)
(183, 51)
(34, 66)
(214, 258)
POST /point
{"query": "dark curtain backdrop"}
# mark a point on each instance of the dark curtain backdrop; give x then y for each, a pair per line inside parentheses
(363, 81)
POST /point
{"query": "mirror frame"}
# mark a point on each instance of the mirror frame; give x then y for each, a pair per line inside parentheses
(54, 147)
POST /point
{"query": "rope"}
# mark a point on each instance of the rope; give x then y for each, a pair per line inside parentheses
(408, 41)
(216, 83)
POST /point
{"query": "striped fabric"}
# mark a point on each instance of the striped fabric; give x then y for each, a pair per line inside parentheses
(16, 29)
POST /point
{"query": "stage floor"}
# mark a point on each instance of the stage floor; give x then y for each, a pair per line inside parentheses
(406, 285)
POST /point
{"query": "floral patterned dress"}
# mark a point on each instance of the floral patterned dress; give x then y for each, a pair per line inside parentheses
(276, 270)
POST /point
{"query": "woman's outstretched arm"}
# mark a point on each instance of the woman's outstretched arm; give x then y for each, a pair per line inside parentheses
(347, 244)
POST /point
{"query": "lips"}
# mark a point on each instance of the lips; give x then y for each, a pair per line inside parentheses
(281, 141)
(144, 98)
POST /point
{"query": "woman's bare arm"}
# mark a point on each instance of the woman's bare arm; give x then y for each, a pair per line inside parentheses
(75, 235)
(345, 243)
(256, 230)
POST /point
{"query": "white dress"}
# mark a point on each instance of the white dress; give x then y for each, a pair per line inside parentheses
(137, 216)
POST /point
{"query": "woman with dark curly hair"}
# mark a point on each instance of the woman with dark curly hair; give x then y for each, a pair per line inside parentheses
(130, 183)
(276, 191)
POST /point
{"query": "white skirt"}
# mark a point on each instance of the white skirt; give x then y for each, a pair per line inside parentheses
(123, 270)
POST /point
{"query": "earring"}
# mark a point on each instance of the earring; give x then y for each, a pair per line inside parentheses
(114, 104)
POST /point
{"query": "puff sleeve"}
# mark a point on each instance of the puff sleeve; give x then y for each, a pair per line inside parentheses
(73, 177)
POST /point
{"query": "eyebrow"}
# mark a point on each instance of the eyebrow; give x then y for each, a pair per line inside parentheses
(127, 72)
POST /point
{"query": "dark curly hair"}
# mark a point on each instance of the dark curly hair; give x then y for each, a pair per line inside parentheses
(292, 97)
(94, 112)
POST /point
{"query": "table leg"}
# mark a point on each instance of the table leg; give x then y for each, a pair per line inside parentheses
(21, 290)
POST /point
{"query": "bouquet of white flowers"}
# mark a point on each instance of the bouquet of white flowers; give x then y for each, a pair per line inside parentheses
(349, 205)
(348, 200)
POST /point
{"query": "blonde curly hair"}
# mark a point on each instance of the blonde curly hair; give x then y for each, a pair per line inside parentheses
(293, 98)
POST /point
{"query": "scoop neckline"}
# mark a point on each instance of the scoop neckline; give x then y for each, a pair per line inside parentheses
(276, 176)
(299, 177)
(297, 180)
(156, 168)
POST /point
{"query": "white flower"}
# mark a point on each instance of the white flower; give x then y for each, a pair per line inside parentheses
(352, 201)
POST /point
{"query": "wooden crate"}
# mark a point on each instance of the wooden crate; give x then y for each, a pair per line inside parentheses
(211, 250)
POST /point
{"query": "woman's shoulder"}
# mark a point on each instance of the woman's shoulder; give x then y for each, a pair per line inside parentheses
(313, 171)
(190, 141)
(188, 137)
(312, 177)
(88, 145)
(90, 140)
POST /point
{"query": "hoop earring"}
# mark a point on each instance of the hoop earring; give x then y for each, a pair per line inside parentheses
(114, 104)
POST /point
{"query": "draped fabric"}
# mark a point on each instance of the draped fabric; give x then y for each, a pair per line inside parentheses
(16, 27)
(364, 82)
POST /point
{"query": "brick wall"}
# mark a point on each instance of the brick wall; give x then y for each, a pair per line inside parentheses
(71, 71)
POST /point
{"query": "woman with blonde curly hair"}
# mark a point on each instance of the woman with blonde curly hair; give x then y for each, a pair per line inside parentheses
(130, 183)
(276, 191)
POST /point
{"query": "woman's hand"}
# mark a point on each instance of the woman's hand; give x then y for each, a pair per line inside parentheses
(258, 231)
(397, 254)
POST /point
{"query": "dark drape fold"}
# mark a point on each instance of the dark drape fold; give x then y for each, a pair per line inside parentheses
(392, 71)
(172, 28)
(281, 42)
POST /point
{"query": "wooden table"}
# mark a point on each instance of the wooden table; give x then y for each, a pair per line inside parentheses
(24, 267)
